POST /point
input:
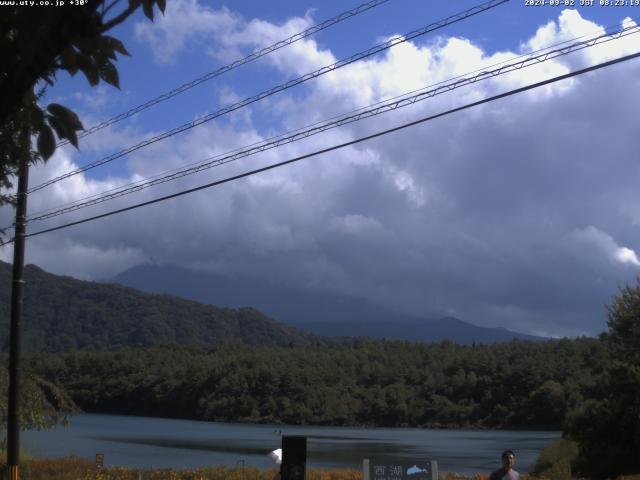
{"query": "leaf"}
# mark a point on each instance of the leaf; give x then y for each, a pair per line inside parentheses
(88, 44)
(89, 68)
(69, 59)
(109, 73)
(162, 4)
(115, 45)
(46, 142)
(63, 129)
(110, 53)
(37, 117)
(91, 72)
(101, 55)
(147, 8)
(104, 50)
(69, 117)
(73, 138)
(58, 125)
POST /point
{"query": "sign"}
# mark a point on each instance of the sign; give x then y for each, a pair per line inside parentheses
(390, 470)
(99, 460)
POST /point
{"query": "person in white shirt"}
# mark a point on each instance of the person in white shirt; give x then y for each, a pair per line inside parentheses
(506, 472)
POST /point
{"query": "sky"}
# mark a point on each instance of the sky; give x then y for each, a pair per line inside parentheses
(521, 213)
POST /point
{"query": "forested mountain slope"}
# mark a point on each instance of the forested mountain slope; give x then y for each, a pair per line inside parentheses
(61, 313)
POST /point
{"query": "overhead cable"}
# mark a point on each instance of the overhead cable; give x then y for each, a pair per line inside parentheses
(216, 73)
(274, 138)
(383, 107)
(342, 145)
(285, 86)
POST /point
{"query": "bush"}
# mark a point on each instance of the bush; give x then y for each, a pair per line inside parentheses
(554, 461)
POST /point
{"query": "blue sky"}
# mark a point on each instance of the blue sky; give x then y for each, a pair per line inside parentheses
(522, 213)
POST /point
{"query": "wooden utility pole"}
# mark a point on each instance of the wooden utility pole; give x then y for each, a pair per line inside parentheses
(13, 419)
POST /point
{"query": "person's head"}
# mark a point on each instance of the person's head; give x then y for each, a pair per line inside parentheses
(508, 459)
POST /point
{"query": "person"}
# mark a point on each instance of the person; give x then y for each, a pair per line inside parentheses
(506, 472)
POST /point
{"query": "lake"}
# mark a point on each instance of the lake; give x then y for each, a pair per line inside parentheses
(157, 442)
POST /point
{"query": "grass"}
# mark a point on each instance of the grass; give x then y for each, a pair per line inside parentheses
(73, 468)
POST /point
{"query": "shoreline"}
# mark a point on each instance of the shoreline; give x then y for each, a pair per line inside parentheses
(436, 426)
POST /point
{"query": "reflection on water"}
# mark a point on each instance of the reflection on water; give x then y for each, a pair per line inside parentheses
(154, 442)
(241, 448)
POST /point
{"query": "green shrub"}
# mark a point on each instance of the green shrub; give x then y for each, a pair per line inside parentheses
(554, 461)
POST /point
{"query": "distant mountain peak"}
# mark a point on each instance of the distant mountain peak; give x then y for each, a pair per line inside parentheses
(323, 313)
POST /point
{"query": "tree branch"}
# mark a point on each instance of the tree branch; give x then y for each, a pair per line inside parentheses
(120, 18)
(109, 7)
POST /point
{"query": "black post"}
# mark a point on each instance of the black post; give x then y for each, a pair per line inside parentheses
(13, 423)
(294, 458)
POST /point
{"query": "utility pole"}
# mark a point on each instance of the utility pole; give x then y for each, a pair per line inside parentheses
(13, 419)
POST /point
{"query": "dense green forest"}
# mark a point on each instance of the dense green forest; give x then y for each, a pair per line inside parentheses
(515, 385)
(62, 313)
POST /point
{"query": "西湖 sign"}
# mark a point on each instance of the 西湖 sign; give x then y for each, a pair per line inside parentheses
(400, 471)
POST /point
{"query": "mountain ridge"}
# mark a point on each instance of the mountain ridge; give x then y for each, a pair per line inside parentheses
(322, 313)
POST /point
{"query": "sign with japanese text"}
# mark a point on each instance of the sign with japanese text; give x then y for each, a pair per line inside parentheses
(399, 471)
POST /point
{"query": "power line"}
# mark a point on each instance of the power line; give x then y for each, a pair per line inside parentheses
(342, 145)
(285, 86)
(341, 63)
(216, 73)
(143, 182)
(382, 107)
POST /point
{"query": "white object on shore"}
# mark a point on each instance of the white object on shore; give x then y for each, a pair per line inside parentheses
(276, 455)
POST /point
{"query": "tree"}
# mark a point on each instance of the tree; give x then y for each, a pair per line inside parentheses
(44, 404)
(35, 44)
(608, 428)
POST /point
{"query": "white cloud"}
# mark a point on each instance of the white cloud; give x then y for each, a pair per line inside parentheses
(184, 21)
(626, 255)
(606, 245)
(97, 100)
(571, 27)
(100, 262)
(225, 35)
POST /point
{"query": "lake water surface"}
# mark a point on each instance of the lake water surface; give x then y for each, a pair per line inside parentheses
(157, 442)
